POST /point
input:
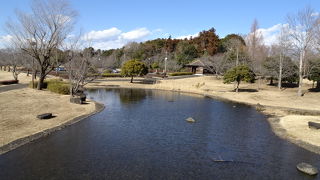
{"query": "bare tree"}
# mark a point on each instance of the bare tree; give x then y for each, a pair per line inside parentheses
(302, 31)
(14, 59)
(79, 71)
(78, 64)
(256, 49)
(42, 31)
(15, 62)
(283, 45)
(215, 63)
(235, 45)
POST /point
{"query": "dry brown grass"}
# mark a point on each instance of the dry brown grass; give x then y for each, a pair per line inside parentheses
(19, 108)
(23, 78)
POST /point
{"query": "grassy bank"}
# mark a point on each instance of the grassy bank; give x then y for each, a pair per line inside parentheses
(19, 109)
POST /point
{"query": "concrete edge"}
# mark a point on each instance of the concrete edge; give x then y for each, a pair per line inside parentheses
(22, 141)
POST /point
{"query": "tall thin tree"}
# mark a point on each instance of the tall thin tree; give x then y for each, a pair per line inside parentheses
(42, 31)
(302, 31)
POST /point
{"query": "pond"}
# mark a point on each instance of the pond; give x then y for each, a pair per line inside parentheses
(143, 134)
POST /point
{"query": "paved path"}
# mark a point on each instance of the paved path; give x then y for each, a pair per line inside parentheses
(5, 88)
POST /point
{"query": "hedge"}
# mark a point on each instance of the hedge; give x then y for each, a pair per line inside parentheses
(111, 75)
(180, 73)
(44, 86)
(58, 86)
(54, 85)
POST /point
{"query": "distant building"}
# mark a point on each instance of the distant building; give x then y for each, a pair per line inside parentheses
(60, 68)
(200, 67)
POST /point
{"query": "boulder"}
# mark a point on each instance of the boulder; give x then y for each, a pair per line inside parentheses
(190, 120)
(83, 97)
(307, 169)
(45, 116)
(314, 125)
(76, 100)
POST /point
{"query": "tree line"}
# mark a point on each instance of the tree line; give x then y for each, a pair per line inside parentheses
(44, 39)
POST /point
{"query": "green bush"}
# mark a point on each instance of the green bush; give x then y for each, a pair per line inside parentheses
(54, 85)
(107, 71)
(180, 73)
(111, 75)
(58, 86)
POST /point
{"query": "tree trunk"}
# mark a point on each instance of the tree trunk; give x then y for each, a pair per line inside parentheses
(237, 88)
(4, 68)
(32, 78)
(41, 80)
(280, 73)
(300, 72)
(70, 79)
(8, 68)
(28, 72)
(131, 79)
(318, 84)
(237, 60)
(271, 81)
(14, 73)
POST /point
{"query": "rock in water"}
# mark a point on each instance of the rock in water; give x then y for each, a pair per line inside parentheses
(190, 120)
(307, 168)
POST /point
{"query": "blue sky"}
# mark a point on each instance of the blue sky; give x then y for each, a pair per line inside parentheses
(153, 19)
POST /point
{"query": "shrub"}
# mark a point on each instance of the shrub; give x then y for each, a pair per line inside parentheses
(58, 86)
(107, 71)
(111, 75)
(238, 74)
(44, 86)
(180, 73)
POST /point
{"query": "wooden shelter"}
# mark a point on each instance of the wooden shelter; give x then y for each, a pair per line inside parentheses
(199, 67)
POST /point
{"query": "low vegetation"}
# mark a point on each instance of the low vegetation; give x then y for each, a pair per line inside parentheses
(111, 75)
(54, 85)
(58, 86)
(180, 73)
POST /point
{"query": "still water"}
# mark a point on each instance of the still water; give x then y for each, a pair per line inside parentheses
(142, 134)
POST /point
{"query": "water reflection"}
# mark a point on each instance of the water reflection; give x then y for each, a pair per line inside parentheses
(142, 134)
(131, 96)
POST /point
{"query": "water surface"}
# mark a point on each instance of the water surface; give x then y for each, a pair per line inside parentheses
(142, 134)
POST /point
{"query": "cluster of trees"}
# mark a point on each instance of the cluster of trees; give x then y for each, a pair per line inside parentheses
(41, 41)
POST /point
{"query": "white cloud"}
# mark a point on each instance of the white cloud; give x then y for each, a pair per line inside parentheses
(115, 38)
(5, 40)
(271, 34)
(136, 34)
(315, 14)
(104, 34)
(188, 36)
(109, 44)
